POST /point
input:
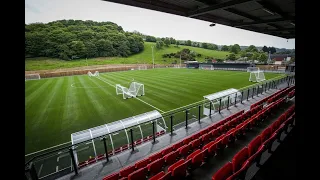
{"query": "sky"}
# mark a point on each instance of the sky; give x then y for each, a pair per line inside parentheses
(147, 22)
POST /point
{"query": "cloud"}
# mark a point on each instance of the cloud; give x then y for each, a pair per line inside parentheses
(31, 8)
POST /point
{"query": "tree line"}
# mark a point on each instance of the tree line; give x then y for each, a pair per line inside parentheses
(72, 39)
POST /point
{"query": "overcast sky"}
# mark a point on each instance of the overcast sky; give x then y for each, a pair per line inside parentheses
(147, 22)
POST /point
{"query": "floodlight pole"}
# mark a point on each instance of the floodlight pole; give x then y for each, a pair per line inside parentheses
(152, 57)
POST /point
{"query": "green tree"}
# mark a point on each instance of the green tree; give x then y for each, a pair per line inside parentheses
(204, 45)
(265, 49)
(224, 48)
(188, 43)
(251, 48)
(235, 48)
(263, 58)
(177, 43)
(232, 57)
(167, 42)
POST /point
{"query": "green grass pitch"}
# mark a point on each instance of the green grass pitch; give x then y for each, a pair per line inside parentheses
(57, 107)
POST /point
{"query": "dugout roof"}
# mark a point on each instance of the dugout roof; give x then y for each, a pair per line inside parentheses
(272, 17)
(220, 94)
(115, 126)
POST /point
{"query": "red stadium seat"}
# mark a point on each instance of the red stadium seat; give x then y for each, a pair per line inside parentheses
(170, 168)
(241, 173)
(254, 145)
(155, 166)
(167, 150)
(184, 150)
(195, 144)
(167, 176)
(224, 172)
(126, 171)
(142, 163)
(114, 176)
(239, 159)
(180, 171)
(193, 154)
(157, 176)
(197, 160)
(265, 134)
(171, 157)
(205, 139)
(155, 156)
(177, 145)
(138, 174)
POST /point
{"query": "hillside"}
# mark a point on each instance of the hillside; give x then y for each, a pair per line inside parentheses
(44, 63)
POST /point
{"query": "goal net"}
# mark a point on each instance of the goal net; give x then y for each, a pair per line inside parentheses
(252, 69)
(135, 89)
(176, 66)
(32, 76)
(206, 67)
(142, 68)
(96, 73)
(257, 76)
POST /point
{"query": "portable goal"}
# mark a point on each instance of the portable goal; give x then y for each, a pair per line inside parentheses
(135, 89)
(206, 67)
(142, 68)
(257, 76)
(32, 77)
(96, 73)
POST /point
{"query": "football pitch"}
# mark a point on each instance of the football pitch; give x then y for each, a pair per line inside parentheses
(57, 107)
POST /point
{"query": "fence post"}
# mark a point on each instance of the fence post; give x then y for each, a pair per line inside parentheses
(199, 114)
(171, 121)
(258, 90)
(241, 96)
(187, 118)
(154, 133)
(220, 106)
(235, 100)
(73, 161)
(262, 89)
(105, 148)
(252, 92)
(210, 109)
(228, 102)
(132, 143)
(248, 94)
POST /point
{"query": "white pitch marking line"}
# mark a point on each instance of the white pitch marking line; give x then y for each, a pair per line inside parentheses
(149, 104)
(40, 170)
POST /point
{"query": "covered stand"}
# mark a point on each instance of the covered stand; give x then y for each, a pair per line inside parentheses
(120, 127)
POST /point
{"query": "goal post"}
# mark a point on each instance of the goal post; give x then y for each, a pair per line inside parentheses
(257, 76)
(32, 77)
(96, 73)
(142, 68)
(206, 67)
(135, 89)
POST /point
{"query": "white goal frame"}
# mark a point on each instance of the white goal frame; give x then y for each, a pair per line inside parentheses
(206, 67)
(135, 89)
(142, 68)
(96, 73)
(257, 76)
(32, 77)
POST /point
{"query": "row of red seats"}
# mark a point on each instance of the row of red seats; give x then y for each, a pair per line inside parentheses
(200, 145)
(281, 94)
(118, 150)
(252, 153)
(171, 154)
(272, 98)
(291, 94)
